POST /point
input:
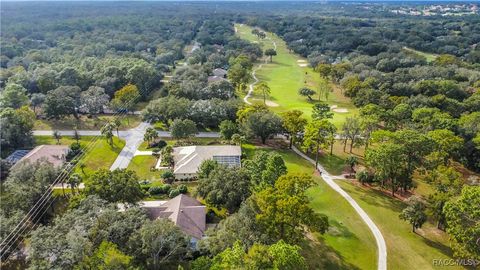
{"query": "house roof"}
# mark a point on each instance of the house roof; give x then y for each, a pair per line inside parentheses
(187, 159)
(16, 156)
(55, 154)
(184, 211)
(211, 79)
(219, 72)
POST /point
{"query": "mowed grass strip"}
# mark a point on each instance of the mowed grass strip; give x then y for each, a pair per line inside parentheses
(101, 156)
(285, 76)
(430, 57)
(406, 250)
(86, 123)
(349, 243)
(142, 166)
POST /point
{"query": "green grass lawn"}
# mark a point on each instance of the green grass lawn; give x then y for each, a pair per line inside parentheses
(406, 250)
(85, 123)
(142, 164)
(284, 76)
(335, 163)
(430, 57)
(349, 243)
(170, 141)
(101, 156)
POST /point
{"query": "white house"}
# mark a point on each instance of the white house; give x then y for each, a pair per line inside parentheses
(187, 159)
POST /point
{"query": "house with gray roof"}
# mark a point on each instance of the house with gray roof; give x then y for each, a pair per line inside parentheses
(212, 79)
(187, 159)
(220, 72)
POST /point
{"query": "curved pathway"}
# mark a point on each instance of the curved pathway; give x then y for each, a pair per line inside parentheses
(328, 178)
(250, 86)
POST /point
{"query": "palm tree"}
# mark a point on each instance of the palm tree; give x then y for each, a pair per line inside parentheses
(76, 135)
(107, 131)
(117, 123)
(82, 167)
(74, 180)
(263, 88)
(351, 161)
(57, 136)
(150, 135)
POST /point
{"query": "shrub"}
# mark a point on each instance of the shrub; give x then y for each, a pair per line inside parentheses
(166, 189)
(168, 176)
(173, 193)
(73, 151)
(158, 144)
(364, 177)
(155, 190)
(182, 189)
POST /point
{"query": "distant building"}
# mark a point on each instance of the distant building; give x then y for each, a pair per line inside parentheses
(220, 72)
(187, 159)
(184, 211)
(212, 79)
(55, 154)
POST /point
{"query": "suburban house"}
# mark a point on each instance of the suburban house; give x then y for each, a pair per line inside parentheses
(55, 154)
(220, 72)
(187, 159)
(212, 79)
(184, 211)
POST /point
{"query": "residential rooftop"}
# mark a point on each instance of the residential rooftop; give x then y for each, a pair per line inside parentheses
(187, 159)
(184, 211)
(55, 154)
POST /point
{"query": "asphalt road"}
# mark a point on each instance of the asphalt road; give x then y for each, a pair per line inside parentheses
(133, 138)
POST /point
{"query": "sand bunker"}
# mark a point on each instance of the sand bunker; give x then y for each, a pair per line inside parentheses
(269, 103)
(340, 110)
(335, 108)
(301, 61)
(302, 65)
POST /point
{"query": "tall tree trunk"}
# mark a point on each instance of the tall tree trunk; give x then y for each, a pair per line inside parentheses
(351, 146)
(331, 146)
(413, 227)
(291, 141)
(367, 138)
(75, 114)
(344, 144)
(316, 155)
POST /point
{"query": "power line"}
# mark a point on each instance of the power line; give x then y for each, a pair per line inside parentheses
(33, 213)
